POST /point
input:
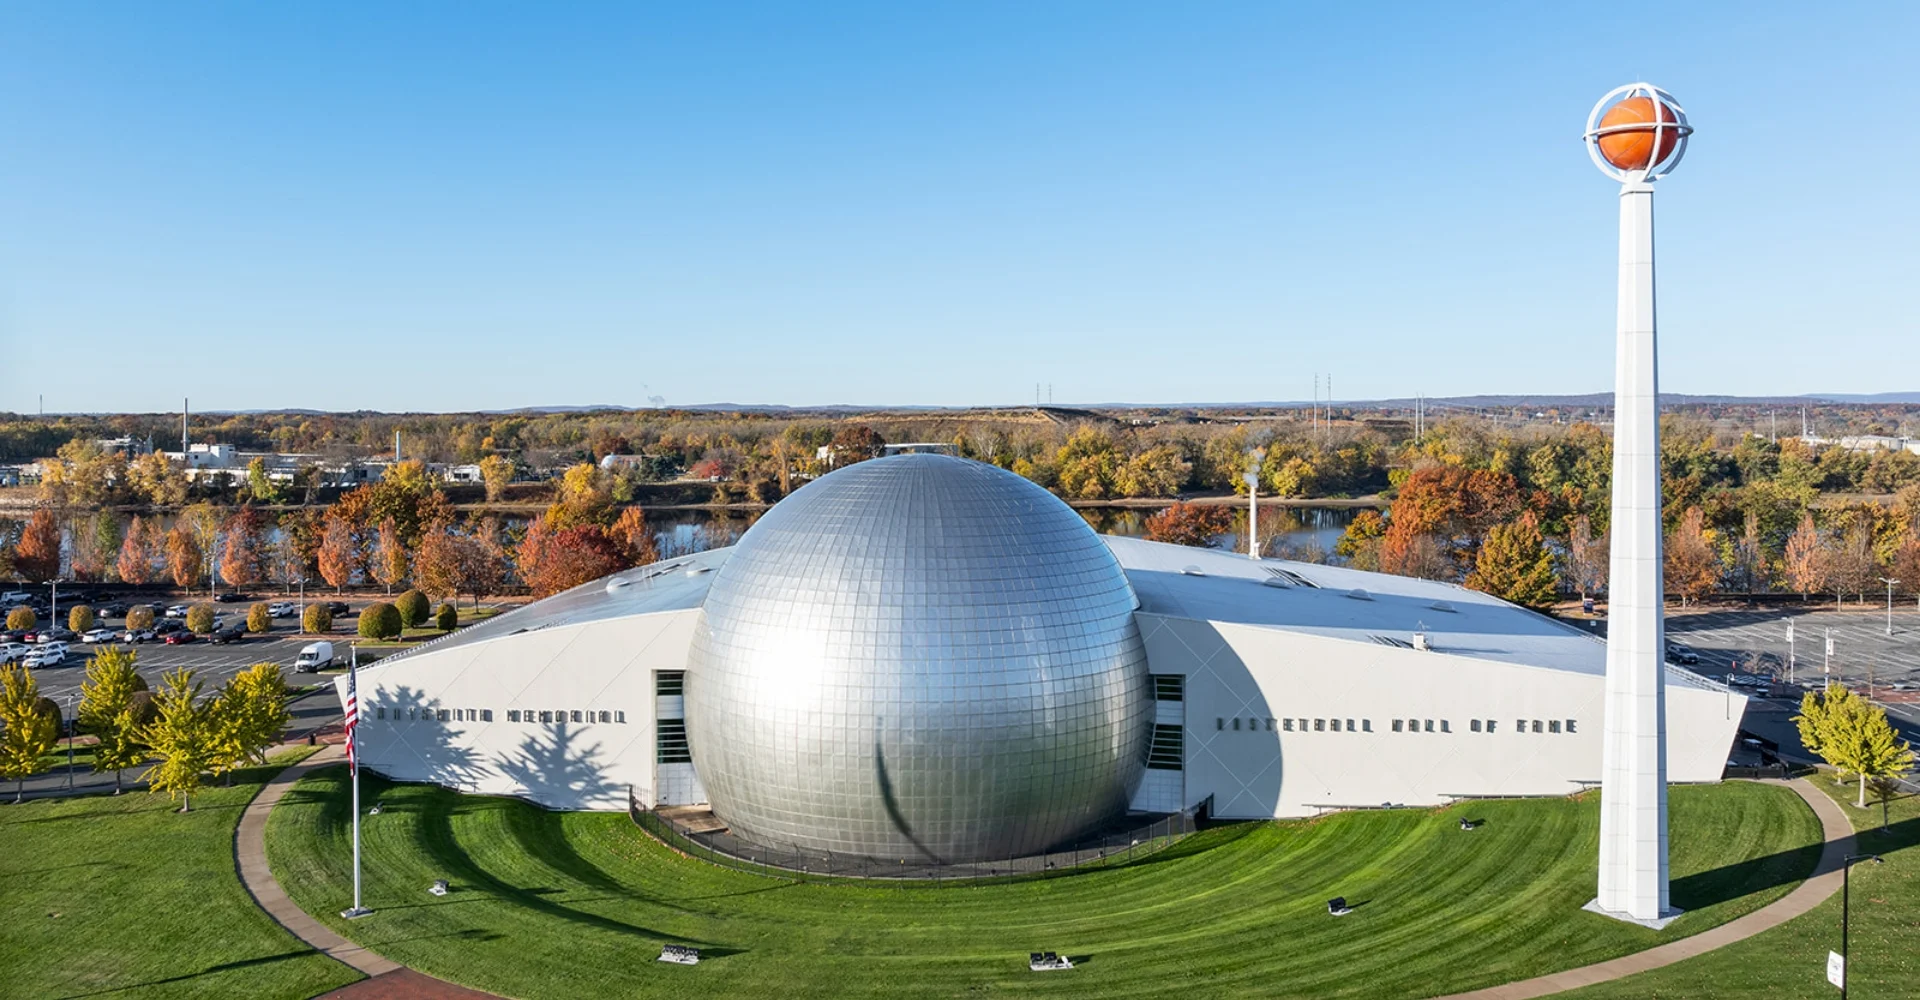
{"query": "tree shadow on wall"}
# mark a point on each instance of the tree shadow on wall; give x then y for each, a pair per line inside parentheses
(555, 765)
(411, 743)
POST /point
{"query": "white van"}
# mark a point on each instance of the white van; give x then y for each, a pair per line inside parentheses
(315, 657)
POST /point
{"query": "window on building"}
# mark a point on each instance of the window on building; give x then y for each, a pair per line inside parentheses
(1569, 725)
(1553, 725)
(1169, 687)
(1396, 725)
(670, 683)
(1474, 725)
(671, 741)
(1168, 750)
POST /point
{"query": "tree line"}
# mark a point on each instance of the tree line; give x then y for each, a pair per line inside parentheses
(186, 734)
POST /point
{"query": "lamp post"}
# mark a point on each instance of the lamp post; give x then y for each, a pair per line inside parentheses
(1846, 870)
(1890, 582)
(1789, 651)
(73, 719)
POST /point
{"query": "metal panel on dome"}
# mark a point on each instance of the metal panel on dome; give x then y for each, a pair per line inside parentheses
(919, 657)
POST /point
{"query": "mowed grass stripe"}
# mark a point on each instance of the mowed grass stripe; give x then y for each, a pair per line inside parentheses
(576, 905)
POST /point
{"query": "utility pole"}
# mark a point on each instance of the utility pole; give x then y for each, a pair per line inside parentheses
(1890, 582)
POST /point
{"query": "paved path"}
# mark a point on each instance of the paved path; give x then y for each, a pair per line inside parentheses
(386, 978)
(1824, 882)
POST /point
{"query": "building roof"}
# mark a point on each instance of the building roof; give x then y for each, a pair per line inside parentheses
(1177, 581)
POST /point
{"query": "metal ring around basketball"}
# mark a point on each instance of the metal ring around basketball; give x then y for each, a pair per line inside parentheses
(1655, 169)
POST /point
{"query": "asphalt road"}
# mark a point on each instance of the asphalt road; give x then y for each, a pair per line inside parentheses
(1755, 642)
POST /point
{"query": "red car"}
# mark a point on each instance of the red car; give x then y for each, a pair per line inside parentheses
(181, 638)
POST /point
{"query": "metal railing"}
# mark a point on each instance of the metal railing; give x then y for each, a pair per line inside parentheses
(1114, 847)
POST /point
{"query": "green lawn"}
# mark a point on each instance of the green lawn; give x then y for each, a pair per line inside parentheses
(577, 904)
(1790, 961)
(122, 897)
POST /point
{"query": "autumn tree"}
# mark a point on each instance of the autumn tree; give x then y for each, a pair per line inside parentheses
(247, 717)
(631, 535)
(96, 543)
(1749, 557)
(339, 553)
(1851, 568)
(1693, 566)
(113, 708)
(585, 497)
(37, 555)
(200, 619)
(438, 562)
(552, 561)
(259, 619)
(21, 617)
(1587, 558)
(389, 562)
(447, 618)
(1515, 565)
(184, 557)
(380, 620)
(204, 521)
(27, 730)
(1359, 545)
(1189, 524)
(243, 560)
(1906, 563)
(1852, 734)
(181, 735)
(413, 607)
(856, 443)
(1805, 562)
(154, 479)
(496, 473)
(139, 551)
(80, 618)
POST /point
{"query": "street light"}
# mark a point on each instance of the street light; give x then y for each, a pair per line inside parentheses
(1889, 581)
(1846, 869)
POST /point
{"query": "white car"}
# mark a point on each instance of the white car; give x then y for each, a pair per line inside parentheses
(13, 597)
(14, 652)
(177, 611)
(281, 609)
(47, 654)
(97, 635)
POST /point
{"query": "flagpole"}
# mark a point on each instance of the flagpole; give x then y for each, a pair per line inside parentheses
(353, 769)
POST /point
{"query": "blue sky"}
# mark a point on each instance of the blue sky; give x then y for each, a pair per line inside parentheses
(431, 206)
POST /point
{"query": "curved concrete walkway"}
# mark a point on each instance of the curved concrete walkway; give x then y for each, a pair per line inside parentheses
(1824, 882)
(386, 978)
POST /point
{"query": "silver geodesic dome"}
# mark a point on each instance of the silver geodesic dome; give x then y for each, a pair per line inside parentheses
(919, 657)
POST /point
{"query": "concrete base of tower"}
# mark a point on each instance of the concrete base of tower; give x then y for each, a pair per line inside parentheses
(1658, 924)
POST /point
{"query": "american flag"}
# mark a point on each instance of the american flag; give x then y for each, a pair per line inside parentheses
(353, 721)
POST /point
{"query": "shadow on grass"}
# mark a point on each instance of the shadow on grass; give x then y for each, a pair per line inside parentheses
(245, 963)
(1730, 882)
(438, 842)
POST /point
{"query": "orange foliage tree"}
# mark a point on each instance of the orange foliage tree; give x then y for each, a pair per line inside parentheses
(184, 558)
(37, 556)
(135, 563)
(1189, 524)
(242, 560)
(339, 553)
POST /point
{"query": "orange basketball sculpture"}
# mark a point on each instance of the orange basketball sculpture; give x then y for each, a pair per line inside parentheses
(1631, 148)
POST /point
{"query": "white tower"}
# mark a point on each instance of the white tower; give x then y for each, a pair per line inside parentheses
(1636, 135)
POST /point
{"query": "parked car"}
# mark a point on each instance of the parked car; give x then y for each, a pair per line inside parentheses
(97, 635)
(111, 609)
(282, 609)
(15, 634)
(166, 625)
(181, 637)
(138, 635)
(313, 658)
(13, 652)
(50, 654)
(222, 636)
(177, 611)
(337, 608)
(14, 597)
(44, 635)
(1681, 654)
(157, 607)
(230, 597)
